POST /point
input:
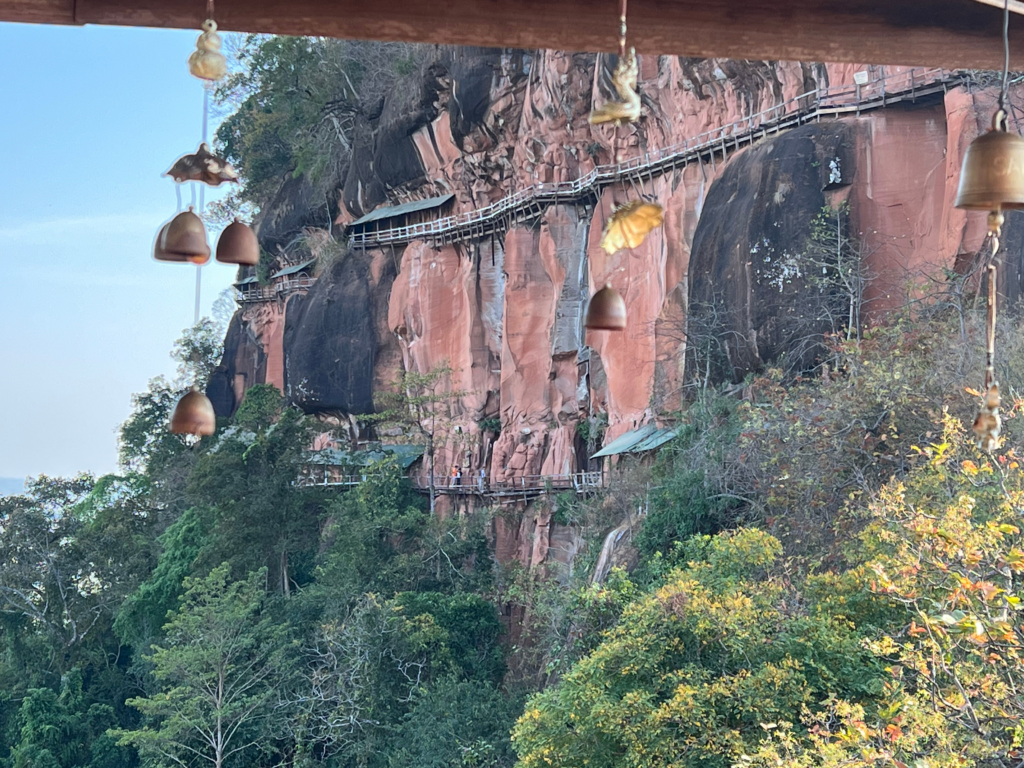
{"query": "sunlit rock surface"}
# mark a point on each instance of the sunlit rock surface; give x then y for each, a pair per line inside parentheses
(505, 311)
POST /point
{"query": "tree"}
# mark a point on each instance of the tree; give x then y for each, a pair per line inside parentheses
(420, 403)
(46, 574)
(245, 492)
(948, 546)
(457, 724)
(64, 731)
(218, 674)
(144, 440)
(696, 666)
(298, 102)
(368, 672)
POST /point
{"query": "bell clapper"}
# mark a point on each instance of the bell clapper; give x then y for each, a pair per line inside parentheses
(987, 423)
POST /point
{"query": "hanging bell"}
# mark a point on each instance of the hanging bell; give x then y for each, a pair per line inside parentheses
(992, 177)
(238, 245)
(158, 248)
(606, 311)
(185, 236)
(194, 415)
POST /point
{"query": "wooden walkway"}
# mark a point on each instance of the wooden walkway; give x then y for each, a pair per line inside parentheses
(278, 289)
(526, 486)
(529, 203)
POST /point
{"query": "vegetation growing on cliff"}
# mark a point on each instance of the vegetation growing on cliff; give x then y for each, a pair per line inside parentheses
(296, 104)
(827, 573)
(823, 572)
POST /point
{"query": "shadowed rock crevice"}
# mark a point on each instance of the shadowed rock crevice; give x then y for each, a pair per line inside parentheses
(244, 364)
(330, 344)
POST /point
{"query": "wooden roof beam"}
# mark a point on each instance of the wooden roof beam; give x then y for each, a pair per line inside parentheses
(950, 33)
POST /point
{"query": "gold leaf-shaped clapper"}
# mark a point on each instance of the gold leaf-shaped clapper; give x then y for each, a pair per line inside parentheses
(630, 224)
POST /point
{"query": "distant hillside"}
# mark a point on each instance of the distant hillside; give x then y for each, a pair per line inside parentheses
(11, 485)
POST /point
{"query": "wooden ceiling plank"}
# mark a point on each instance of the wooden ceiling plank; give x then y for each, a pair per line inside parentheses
(38, 11)
(951, 33)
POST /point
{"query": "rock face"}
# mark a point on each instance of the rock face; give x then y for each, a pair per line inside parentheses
(750, 297)
(504, 309)
(329, 341)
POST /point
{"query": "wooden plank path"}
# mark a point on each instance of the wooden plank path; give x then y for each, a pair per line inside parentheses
(529, 203)
(444, 485)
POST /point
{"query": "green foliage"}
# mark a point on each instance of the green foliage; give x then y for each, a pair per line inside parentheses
(70, 550)
(457, 724)
(298, 102)
(260, 408)
(420, 404)
(65, 731)
(66, 565)
(380, 539)
(218, 675)
(592, 430)
(695, 667)
(460, 631)
(490, 424)
(198, 352)
(244, 491)
(144, 612)
(685, 501)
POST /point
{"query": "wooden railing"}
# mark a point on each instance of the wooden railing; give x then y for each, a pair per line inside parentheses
(811, 106)
(529, 485)
(277, 289)
(580, 482)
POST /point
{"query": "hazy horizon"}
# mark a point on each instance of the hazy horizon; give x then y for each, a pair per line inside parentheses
(92, 118)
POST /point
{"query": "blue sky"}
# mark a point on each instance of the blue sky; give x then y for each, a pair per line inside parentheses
(90, 119)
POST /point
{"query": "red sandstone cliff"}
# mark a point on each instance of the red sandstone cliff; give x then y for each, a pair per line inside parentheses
(504, 309)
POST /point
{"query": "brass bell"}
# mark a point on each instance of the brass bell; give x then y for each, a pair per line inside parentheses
(992, 177)
(158, 249)
(185, 236)
(237, 244)
(606, 311)
(194, 415)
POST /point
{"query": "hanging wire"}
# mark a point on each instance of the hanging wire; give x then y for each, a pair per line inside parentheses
(622, 31)
(990, 328)
(202, 188)
(1003, 92)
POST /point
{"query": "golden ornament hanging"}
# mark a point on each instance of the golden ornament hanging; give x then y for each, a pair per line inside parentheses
(194, 415)
(202, 165)
(207, 62)
(606, 311)
(624, 78)
(238, 245)
(629, 224)
(987, 423)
